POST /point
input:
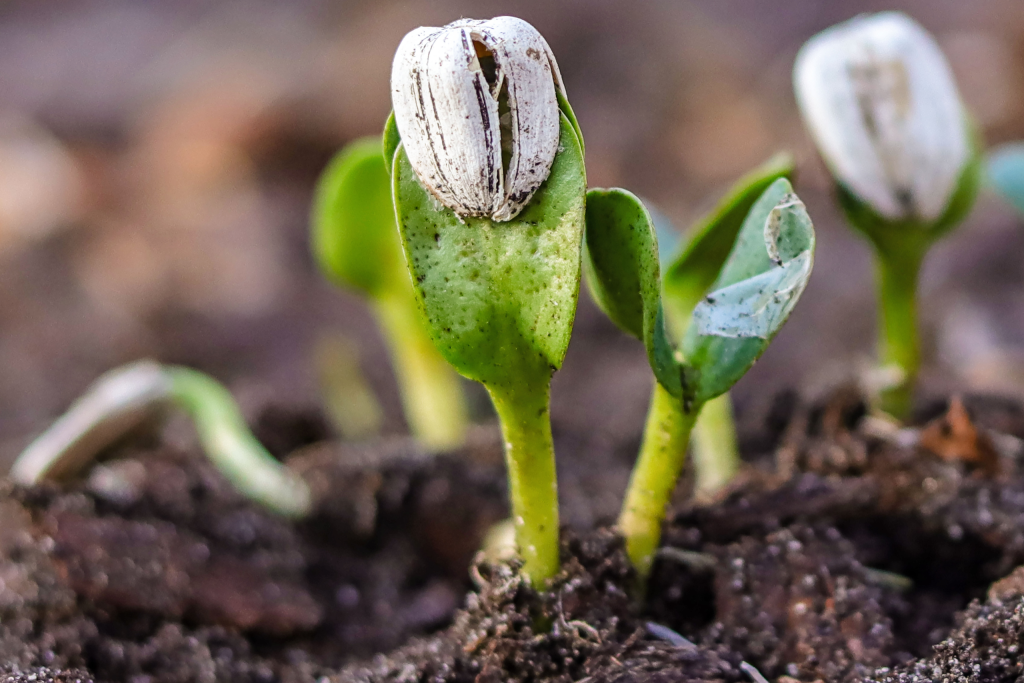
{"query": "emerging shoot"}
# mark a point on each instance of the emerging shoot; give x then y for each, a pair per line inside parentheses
(752, 294)
(489, 189)
(688, 278)
(356, 243)
(126, 397)
(880, 101)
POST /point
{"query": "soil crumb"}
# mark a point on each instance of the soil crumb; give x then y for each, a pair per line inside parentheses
(850, 550)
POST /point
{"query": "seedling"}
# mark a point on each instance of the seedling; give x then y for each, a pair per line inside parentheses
(688, 278)
(1006, 173)
(880, 102)
(124, 398)
(489, 189)
(752, 295)
(356, 243)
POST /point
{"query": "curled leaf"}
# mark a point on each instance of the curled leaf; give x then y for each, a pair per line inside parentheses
(690, 275)
(755, 292)
(622, 269)
(755, 307)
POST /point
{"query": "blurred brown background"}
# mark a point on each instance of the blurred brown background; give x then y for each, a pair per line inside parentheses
(157, 158)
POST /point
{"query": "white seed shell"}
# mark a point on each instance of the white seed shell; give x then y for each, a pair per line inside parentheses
(880, 101)
(447, 113)
(116, 403)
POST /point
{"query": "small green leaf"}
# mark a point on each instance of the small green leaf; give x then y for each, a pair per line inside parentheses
(500, 297)
(689, 276)
(1006, 173)
(391, 141)
(759, 285)
(354, 237)
(623, 274)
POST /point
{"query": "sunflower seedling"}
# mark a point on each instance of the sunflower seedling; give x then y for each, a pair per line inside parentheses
(356, 243)
(751, 296)
(489, 189)
(126, 397)
(688, 277)
(880, 102)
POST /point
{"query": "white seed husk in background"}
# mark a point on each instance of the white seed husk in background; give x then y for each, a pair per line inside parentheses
(880, 101)
(118, 402)
(448, 115)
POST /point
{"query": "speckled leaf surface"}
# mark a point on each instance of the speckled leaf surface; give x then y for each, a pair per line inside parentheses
(622, 269)
(500, 297)
(758, 286)
(690, 274)
(354, 238)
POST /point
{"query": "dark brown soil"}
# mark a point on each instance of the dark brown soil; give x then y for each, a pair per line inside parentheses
(158, 569)
(848, 551)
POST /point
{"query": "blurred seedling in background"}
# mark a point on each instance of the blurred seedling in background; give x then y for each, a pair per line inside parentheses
(356, 243)
(880, 101)
(125, 398)
(349, 401)
(753, 289)
(688, 276)
(489, 187)
(1005, 173)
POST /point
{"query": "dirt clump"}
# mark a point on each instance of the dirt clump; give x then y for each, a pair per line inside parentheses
(848, 550)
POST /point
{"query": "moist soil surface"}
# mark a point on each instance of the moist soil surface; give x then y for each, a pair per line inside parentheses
(848, 550)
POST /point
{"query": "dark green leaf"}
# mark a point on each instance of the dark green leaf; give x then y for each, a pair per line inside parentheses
(755, 292)
(622, 270)
(500, 297)
(354, 236)
(689, 276)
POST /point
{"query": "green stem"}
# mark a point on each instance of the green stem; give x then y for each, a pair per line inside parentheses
(716, 456)
(230, 445)
(434, 403)
(530, 457)
(654, 477)
(899, 339)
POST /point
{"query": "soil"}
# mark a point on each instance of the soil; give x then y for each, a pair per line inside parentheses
(849, 550)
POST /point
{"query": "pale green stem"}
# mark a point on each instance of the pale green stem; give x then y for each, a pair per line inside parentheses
(716, 456)
(654, 477)
(434, 403)
(899, 338)
(232, 447)
(533, 489)
(348, 399)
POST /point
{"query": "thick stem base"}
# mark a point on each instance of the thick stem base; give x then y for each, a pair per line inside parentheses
(661, 459)
(530, 458)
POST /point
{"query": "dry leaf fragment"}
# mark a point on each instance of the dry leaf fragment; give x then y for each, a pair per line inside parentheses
(954, 437)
